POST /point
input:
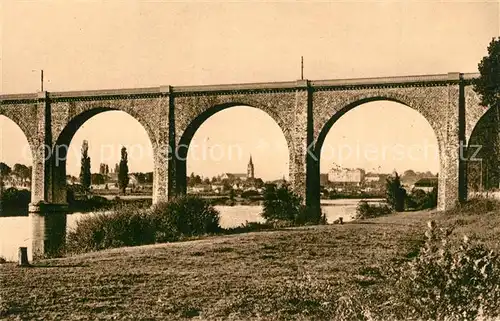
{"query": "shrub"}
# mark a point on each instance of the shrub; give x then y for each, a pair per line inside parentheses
(419, 199)
(124, 226)
(248, 227)
(93, 203)
(250, 194)
(184, 216)
(129, 225)
(476, 205)
(395, 194)
(447, 282)
(14, 198)
(281, 204)
(365, 210)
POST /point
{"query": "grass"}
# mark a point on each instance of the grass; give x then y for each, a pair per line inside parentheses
(299, 273)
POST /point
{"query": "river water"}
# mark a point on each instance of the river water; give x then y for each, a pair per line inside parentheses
(16, 231)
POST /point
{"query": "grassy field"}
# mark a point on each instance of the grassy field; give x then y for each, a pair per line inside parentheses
(287, 274)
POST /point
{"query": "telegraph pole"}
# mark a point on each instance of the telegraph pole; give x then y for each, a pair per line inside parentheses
(41, 78)
(301, 67)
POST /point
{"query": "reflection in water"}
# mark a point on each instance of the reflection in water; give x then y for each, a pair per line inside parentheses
(17, 231)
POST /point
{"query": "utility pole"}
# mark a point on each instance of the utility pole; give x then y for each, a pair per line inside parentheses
(301, 67)
(41, 78)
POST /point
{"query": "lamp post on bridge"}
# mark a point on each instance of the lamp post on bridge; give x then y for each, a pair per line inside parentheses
(41, 78)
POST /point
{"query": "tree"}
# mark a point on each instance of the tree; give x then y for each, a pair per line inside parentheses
(206, 181)
(22, 171)
(226, 186)
(280, 203)
(97, 179)
(488, 88)
(85, 176)
(149, 177)
(5, 170)
(123, 178)
(395, 194)
(232, 194)
(190, 180)
(409, 174)
(488, 83)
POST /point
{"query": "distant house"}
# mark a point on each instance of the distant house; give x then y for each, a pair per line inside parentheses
(371, 178)
(249, 175)
(323, 179)
(426, 184)
(217, 188)
(234, 176)
(202, 188)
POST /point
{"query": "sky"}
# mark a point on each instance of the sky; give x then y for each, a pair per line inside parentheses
(127, 44)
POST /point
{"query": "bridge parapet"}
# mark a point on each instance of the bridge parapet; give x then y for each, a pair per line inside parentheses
(417, 80)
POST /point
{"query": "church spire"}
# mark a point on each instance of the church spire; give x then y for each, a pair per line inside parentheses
(250, 169)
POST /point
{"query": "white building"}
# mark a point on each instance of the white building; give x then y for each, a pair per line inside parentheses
(346, 175)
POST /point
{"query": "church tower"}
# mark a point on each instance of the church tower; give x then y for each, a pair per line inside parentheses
(250, 169)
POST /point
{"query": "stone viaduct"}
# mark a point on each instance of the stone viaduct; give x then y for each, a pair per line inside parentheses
(305, 110)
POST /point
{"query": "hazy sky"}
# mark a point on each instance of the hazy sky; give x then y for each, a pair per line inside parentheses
(121, 44)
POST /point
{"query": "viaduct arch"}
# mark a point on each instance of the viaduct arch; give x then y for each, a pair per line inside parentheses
(304, 110)
(204, 110)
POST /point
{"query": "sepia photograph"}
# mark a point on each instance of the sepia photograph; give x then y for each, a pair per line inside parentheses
(250, 160)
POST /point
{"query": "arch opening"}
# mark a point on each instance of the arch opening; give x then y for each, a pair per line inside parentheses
(214, 152)
(16, 164)
(483, 154)
(104, 132)
(367, 141)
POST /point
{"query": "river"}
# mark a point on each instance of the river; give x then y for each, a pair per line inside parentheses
(16, 231)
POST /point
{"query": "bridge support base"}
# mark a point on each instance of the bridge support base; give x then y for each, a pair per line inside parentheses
(48, 229)
(42, 207)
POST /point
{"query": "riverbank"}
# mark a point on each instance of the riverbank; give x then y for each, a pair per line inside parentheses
(108, 201)
(266, 274)
(15, 230)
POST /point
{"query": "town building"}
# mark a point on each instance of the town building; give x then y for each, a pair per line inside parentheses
(233, 176)
(250, 175)
(347, 176)
(372, 178)
(250, 169)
